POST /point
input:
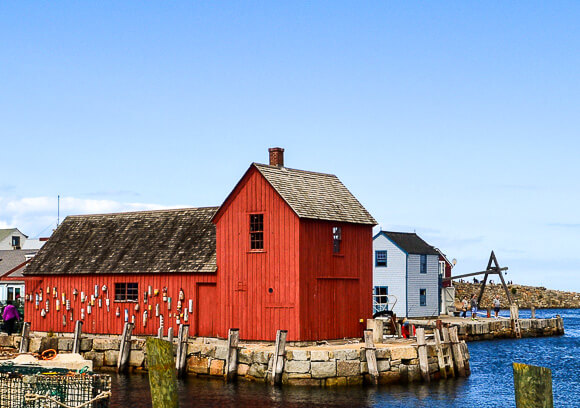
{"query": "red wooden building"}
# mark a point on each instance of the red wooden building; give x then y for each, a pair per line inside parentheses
(288, 249)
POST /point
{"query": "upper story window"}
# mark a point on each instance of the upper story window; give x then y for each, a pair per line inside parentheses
(126, 292)
(423, 264)
(256, 231)
(336, 239)
(16, 242)
(380, 258)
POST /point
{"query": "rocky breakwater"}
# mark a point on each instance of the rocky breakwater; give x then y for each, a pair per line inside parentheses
(524, 296)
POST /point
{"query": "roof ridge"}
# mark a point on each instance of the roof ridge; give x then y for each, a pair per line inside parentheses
(299, 170)
(143, 211)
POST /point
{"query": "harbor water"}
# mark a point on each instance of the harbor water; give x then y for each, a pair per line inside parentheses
(490, 384)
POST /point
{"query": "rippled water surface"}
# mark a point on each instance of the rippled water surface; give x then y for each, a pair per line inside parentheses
(490, 384)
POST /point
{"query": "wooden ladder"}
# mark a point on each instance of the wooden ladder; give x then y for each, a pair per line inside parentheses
(515, 315)
(444, 356)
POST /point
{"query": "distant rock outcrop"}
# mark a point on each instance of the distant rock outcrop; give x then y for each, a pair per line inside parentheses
(524, 296)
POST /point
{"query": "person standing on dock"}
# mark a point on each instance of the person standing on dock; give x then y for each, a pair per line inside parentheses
(496, 305)
(473, 307)
(10, 317)
(464, 304)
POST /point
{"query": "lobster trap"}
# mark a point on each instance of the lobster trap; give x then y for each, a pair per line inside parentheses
(41, 387)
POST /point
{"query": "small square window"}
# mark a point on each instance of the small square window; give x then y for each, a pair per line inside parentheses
(336, 239)
(126, 292)
(380, 258)
(16, 242)
(423, 297)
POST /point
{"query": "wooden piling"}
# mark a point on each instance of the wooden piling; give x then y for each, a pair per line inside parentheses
(279, 353)
(181, 359)
(533, 386)
(457, 354)
(440, 357)
(422, 351)
(160, 333)
(170, 335)
(162, 373)
(371, 356)
(76, 348)
(25, 341)
(377, 326)
(533, 312)
(125, 348)
(232, 357)
(448, 350)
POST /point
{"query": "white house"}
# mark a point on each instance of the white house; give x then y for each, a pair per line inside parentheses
(405, 275)
(11, 238)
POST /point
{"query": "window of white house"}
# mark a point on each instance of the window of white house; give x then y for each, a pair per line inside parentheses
(380, 299)
(16, 242)
(126, 292)
(423, 264)
(380, 258)
(422, 297)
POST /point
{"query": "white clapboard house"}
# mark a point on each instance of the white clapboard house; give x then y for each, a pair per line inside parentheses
(405, 275)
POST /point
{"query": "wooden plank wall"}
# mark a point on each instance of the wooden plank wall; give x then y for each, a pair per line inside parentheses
(101, 321)
(245, 276)
(336, 289)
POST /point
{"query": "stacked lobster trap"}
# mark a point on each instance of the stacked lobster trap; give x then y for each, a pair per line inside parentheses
(41, 387)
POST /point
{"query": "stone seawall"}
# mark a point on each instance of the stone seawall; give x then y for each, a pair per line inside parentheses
(328, 365)
(524, 296)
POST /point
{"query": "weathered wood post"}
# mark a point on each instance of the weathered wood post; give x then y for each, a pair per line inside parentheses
(279, 352)
(125, 348)
(457, 354)
(377, 326)
(440, 357)
(170, 334)
(181, 360)
(371, 356)
(533, 312)
(76, 348)
(488, 312)
(162, 373)
(232, 357)
(447, 350)
(160, 333)
(25, 341)
(533, 386)
(422, 351)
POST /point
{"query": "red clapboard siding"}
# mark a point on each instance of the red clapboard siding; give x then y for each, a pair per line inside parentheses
(101, 321)
(335, 289)
(245, 276)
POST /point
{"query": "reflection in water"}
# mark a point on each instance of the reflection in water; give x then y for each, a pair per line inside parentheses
(490, 385)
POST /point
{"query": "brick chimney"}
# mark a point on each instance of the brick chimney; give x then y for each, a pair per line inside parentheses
(276, 156)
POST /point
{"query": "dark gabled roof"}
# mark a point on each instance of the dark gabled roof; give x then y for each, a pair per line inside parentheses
(315, 195)
(11, 258)
(165, 241)
(410, 242)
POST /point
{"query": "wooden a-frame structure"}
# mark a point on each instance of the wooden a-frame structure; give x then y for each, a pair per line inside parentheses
(493, 268)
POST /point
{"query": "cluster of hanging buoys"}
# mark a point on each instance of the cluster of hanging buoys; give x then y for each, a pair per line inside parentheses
(89, 301)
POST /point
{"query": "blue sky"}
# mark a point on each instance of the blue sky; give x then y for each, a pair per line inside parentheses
(457, 120)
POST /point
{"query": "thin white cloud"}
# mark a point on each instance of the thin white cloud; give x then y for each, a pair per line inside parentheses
(36, 216)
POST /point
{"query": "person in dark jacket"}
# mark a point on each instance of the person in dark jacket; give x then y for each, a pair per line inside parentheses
(10, 317)
(473, 307)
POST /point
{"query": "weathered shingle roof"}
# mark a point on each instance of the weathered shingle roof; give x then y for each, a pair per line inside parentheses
(166, 241)
(11, 258)
(411, 243)
(315, 195)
